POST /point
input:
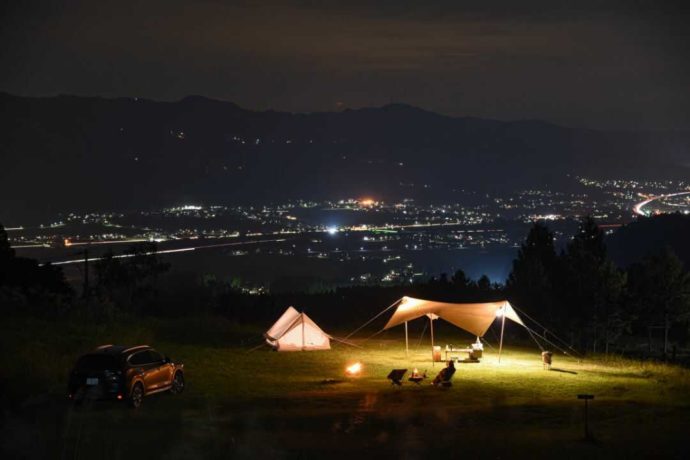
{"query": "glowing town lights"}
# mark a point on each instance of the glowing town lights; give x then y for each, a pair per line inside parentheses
(354, 370)
(367, 202)
(332, 230)
(637, 209)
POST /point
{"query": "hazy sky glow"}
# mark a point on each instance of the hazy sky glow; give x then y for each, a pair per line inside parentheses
(599, 64)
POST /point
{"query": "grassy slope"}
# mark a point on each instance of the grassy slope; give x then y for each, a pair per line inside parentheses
(275, 404)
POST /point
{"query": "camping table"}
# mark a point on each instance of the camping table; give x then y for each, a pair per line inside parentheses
(459, 350)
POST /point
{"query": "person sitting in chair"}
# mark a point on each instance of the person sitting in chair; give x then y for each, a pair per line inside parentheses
(445, 375)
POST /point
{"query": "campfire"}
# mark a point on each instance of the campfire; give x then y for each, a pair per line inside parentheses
(354, 370)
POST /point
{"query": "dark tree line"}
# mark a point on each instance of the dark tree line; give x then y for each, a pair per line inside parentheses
(578, 292)
(131, 282)
(24, 283)
(584, 294)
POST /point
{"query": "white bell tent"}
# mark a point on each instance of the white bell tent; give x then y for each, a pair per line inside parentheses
(471, 317)
(295, 331)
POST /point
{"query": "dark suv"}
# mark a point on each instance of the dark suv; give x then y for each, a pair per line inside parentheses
(119, 372)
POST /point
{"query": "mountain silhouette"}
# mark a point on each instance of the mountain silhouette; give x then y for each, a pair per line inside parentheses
(74, 153)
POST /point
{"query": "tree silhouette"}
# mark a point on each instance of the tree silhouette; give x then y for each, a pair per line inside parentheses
(531, 281)
(591, 287)
(484, 284)
(660, 291)
(130, 282)
(23, 282)
(6, 255)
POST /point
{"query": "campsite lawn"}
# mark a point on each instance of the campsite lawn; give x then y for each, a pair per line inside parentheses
(266, 404)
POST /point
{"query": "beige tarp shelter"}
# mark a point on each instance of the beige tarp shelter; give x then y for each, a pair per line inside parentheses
(295, 331)
(472, 317)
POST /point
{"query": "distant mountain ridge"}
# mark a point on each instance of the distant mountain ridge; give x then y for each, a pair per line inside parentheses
(70, 152)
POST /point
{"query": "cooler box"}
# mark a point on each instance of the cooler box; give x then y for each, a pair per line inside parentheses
(436, 353)
(476, 354)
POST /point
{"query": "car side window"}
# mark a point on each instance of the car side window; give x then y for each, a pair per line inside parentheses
(137, 359)
(155, 357)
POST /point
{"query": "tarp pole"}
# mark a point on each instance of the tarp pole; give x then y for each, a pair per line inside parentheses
(431, 319)
(407, 343)
(500, 345)
(302, 318)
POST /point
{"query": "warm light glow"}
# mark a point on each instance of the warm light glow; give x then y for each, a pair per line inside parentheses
(68, 243)
(499, 312)
(366, 202)
(354, 369)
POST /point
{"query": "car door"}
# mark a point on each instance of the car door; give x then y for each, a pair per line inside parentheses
(163, 370)
(147, 369)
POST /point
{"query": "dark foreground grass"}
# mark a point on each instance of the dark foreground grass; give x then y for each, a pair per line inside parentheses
(275, 405)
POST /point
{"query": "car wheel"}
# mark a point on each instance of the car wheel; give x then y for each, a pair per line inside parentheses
(136, 396)
(177, 383)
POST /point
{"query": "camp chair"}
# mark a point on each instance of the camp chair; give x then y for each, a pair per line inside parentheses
(447, 376)
(396, 376)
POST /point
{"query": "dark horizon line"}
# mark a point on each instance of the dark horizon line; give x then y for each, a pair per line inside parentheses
(390, 105)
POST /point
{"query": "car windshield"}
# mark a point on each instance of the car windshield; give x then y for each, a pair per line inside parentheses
(97, 363)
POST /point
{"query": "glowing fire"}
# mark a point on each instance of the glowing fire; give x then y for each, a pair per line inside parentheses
(366, 202)
(354, 369)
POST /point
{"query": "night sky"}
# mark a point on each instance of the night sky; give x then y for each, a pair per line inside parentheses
(596, 64)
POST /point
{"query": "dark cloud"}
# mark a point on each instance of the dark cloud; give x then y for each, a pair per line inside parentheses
(601, 64)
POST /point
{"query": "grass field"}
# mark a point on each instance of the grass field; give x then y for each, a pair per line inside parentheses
(275, 405)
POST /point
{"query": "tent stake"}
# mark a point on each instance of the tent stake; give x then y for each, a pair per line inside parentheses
(407, 345)
(500, 345)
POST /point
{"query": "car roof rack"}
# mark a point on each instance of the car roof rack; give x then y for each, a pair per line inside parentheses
(126, 350)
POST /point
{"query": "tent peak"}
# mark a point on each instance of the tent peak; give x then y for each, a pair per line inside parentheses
(295, 331)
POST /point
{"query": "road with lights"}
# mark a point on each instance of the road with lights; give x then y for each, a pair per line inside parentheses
(637, 209)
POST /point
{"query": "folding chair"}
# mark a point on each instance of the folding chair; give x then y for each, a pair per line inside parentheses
(396, 376)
